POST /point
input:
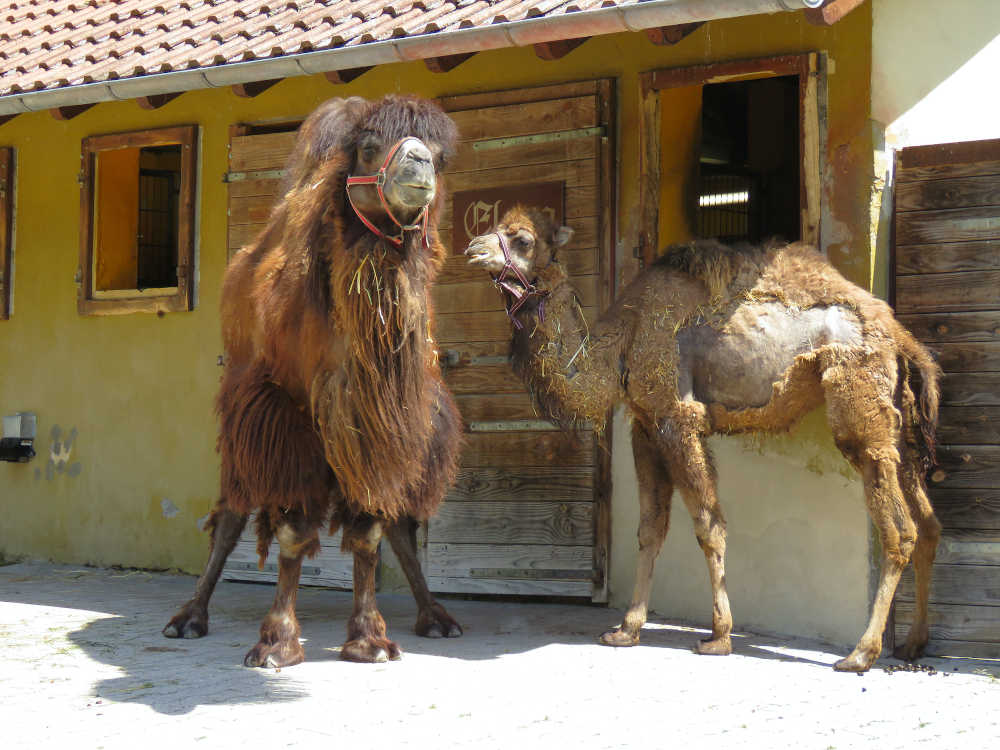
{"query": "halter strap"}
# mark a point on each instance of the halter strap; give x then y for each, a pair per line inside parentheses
(378, 180)
(522, 295)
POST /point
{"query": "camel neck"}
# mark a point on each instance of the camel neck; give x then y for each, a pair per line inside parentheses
(569, 367)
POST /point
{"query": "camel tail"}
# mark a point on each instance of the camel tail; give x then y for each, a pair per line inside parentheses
(926, 415)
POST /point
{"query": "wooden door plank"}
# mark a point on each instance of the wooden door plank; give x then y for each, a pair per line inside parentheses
(954, 622)
(969, 425)
(977, 356)
(265, 151)
(969, 547)
(581, 261)
(948, 257)
(491, 407)
(583, 172)
(508, 120)
(461, 102)
(958, 192)
(564, 484)
(471, 157)
(957, 584)
(512, 523)
(967, 466)
(947, 171)
(251, 209)
(970, 389)
(449, 559)
(948, 292)
(954, 327)
(518, 449)
(486, 378)
(446, 585)
(267, 187)
(478, 296)
(967, 509)
(485, 326)
(948, 225)
(580, 202)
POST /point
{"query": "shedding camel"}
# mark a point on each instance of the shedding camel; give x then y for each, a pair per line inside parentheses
(713, 339)
(332, 410)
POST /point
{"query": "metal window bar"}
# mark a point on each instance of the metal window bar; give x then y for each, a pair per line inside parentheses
(725, 207)
(159, 192)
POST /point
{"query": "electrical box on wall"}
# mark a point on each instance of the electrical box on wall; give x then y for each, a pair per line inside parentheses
(18, 442)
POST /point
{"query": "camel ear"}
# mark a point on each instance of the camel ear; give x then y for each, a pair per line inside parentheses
(562, 236)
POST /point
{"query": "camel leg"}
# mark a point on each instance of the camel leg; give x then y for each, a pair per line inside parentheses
(433, 621)
(655, 490)
(928, 534)
(191, 620)
(366, 635)
(864, 424)
(694, 474)
(279, 632)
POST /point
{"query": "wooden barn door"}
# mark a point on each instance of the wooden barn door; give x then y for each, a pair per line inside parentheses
(257, 159)
(530, 511)
(947, 291)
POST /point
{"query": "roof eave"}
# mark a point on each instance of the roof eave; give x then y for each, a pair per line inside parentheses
(637, 17)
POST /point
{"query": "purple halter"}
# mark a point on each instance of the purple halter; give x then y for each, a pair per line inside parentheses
(520, 296)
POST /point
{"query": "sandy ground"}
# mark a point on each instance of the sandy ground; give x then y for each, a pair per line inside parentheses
(85, 664)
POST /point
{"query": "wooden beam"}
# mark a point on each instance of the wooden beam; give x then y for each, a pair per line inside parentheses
(831, 11)
(155, 101)
(559, 48)
(672, 34)
(346, 75)
(254, 88)
(446, 62)
(68, 113)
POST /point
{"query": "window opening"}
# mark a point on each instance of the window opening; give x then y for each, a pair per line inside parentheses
(749, 160)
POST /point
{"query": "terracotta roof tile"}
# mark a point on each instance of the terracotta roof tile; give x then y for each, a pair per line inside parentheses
(48, 44)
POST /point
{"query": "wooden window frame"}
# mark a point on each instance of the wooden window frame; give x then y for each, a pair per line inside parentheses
(807, 66)
(123, 301)
(6, 230)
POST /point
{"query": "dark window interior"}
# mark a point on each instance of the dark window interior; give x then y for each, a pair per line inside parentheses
(749, 161)
(159, 192)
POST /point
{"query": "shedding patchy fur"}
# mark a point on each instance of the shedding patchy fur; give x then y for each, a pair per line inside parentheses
(715, 339)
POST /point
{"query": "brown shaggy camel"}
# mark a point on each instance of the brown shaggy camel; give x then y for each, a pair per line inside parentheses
(332, 410)
(723, 340)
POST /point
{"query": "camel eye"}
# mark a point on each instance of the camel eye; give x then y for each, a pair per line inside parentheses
(522, 240)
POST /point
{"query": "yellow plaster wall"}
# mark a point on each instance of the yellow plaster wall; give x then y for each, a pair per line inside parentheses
(136, 391)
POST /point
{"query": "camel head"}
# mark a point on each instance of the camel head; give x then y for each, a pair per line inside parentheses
(379, 160)
(400, 148)
(531, 238)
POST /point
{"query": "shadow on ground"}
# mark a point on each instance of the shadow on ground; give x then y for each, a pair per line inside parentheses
(174, 676)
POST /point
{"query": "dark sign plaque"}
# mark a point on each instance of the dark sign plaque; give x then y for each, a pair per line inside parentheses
(475, 212)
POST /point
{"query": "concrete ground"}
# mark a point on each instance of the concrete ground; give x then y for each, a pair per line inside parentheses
(85, 664)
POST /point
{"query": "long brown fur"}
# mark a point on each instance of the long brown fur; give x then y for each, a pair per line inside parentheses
(332, 399)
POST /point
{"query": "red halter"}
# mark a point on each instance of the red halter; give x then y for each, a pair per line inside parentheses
(520, 295)
(378, 180)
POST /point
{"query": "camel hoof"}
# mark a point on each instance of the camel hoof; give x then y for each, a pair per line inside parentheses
(275, 655)
(437, 623)
(370, 651)
(717, 647)
(189, 622)
(854, 663)
(619, 637)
